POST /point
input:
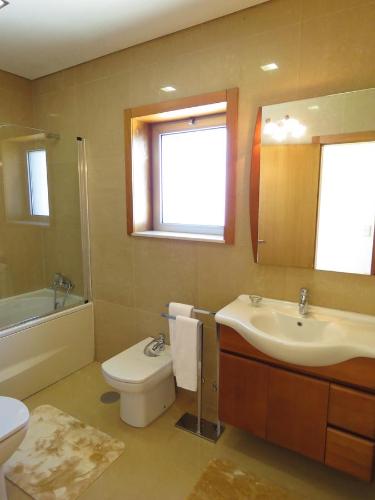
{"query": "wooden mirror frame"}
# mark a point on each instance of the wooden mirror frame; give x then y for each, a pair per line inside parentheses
(254, 184)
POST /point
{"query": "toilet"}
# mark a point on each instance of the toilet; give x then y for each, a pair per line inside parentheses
(145, 383)
(14, 420)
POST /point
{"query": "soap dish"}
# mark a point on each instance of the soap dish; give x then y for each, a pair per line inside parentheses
(255, 300)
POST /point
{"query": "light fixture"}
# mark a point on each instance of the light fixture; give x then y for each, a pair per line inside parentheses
(269, 67)
(269, 127)
(168, 88)
(313, 107)
(293, 127)
(3, 3)
(280, 130)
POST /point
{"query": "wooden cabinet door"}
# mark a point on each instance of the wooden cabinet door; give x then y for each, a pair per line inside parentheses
(297, 413)
(243, 393)
(288, 199)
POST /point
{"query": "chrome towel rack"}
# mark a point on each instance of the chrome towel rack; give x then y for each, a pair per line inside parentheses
(198, 311)
(189, 422)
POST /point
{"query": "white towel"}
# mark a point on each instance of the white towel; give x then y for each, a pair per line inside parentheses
(176, 309)
(185, 352)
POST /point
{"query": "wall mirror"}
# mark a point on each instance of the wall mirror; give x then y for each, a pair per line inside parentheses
(312, 187)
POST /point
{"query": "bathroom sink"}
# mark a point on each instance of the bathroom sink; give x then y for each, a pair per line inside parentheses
(295, 329)
(323, 337)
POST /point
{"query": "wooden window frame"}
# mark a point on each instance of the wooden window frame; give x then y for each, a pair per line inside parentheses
(138, 123)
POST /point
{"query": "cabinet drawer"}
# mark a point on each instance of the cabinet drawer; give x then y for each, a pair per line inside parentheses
(350, 454)
(352, 410)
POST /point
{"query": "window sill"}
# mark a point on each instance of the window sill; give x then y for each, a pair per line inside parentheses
(29, 223)
(207, 238)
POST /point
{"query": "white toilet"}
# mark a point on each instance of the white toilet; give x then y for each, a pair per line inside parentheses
(14, 420)
(145, 383)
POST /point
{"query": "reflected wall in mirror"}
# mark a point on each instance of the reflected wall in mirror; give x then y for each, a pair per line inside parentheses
(312, 192)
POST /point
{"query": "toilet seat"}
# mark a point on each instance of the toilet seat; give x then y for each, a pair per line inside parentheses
(132, 366)
(14, 415)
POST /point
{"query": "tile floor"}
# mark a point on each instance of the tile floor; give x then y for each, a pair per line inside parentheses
(162, 462)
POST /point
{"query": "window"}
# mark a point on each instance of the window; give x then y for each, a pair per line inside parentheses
(180, 168)
(346, 215)
(189, 171)
(37, 182)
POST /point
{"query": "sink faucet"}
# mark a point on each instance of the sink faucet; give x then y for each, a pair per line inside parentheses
(303, 301)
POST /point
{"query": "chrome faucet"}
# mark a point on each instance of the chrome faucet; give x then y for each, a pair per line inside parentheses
(61, 282)
(303, 301)
(155, 347)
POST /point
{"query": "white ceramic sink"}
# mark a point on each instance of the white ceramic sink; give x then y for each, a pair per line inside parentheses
(323, 337)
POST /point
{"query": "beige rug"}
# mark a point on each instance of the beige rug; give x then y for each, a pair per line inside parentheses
(60, 456)
(222, 480)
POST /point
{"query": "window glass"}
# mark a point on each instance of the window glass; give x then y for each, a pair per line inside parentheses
(346, 216)
(38, 183)
(193, 177)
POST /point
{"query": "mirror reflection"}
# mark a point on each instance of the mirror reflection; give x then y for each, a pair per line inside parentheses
(316, 183)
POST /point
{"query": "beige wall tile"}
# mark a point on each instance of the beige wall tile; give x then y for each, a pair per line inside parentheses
(150, 324)
(320, 8)
(321, 47)
(119, 324)
(223, 273)
(163, 273)
(15, 99)
(21, 246)
(337, 50)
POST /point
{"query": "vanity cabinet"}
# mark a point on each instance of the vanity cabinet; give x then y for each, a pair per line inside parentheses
(324, 413)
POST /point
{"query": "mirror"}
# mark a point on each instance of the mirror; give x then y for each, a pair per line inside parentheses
(312, 192)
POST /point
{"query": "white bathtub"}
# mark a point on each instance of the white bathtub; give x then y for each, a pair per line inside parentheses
(20, 308)
(36, 353)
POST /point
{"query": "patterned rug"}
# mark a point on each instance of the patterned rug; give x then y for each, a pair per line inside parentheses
(222, 480)
(60, 456)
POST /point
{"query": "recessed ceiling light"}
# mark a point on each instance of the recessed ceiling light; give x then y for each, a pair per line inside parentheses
(269, 67)
(168, 88)
(3, 3)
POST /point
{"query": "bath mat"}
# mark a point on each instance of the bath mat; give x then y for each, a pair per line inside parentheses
(60, 456)
(222, 480)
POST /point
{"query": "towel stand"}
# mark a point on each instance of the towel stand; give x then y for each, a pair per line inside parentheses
(189, 422)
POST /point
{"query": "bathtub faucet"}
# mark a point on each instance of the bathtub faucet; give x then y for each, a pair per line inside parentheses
(63, 283)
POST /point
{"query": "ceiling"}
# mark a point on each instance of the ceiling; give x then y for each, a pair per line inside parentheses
(39, 37)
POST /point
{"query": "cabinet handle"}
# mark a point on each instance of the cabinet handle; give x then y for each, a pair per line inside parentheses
(262, 241)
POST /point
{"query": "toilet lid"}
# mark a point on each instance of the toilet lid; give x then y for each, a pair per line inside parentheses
(13, 416)
(133, 366)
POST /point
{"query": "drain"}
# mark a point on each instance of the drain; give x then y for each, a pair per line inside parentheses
(109, 397)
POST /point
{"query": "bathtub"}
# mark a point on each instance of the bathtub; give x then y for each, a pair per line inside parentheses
(37, 352)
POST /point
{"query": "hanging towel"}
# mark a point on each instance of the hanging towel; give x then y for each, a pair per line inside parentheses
(186, 351)
(176, 309)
